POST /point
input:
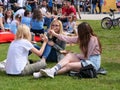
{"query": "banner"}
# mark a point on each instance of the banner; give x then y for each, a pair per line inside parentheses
(109, 4)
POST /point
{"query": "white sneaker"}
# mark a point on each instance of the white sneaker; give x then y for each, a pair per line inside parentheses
(47, 72)
(2, 66)
(37, 75)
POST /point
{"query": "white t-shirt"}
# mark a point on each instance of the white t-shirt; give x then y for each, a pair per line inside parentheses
(43, 10)
(20, 12)
(21, 3)
(17, 56)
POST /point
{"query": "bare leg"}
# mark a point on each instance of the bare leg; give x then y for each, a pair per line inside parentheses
(75, 66)
(69, 62)
(68, 59)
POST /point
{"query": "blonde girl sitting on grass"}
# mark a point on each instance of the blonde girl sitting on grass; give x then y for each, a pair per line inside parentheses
(17, 57)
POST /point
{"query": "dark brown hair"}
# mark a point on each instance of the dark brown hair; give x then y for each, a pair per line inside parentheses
(37, 15)
(18, 16)
(27, 12)
(84, 33)
(5, 16)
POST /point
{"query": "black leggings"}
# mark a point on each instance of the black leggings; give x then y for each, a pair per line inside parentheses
(37, 32)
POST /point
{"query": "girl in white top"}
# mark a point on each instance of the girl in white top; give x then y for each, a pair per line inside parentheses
(71, 26)
(17, 57)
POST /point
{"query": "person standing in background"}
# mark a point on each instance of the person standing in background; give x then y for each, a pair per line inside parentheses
(118, 5)
(100, 3)
(93, 4)
(32, 3)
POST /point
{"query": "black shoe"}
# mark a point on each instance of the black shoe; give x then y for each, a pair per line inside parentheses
(102, 71)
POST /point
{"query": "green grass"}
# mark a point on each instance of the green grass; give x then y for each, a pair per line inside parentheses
(110, 40)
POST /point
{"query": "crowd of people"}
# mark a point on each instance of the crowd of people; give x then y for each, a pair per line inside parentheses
(51, 26)
(32, 13)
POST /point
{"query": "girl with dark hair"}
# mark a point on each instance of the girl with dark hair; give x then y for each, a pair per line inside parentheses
(90, 48)
(26, 18)
(8, 18)
(15, 23)
(37, 22)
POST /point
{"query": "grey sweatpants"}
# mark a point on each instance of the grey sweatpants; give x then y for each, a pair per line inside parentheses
(35, 67)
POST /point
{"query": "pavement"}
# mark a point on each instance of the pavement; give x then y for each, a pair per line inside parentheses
(96, 16)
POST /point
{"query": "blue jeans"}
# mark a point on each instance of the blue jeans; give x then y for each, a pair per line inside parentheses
(93, 8)
(52, 57)
(46, 51)
(49, 53)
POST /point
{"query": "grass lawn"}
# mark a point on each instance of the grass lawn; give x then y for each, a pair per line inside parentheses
(110, 40)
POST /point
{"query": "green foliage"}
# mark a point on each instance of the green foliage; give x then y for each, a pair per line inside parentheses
(110, 61)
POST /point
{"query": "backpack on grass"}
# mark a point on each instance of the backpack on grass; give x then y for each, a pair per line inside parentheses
(85, 72)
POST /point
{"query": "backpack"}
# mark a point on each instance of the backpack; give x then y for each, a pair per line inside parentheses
(85, 72)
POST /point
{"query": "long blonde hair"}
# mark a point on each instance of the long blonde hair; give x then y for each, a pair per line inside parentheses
(23, 32)
(60, 23)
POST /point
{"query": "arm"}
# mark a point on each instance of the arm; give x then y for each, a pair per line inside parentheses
(75, 28)
(59, 46)
(1, 24)
(68, 39)
(48, 15)
(40, 52)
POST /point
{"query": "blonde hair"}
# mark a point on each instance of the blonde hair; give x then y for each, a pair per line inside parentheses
(23, 32)
(61, 26)
(1, 9)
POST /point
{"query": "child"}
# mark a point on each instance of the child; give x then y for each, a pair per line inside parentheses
(37, 22)
(71, 26)
(17, 57)
(90, 48)
(8, 18)
(15, 23)
(26, 18)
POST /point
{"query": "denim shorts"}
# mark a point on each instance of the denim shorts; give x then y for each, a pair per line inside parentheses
(95, 60)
